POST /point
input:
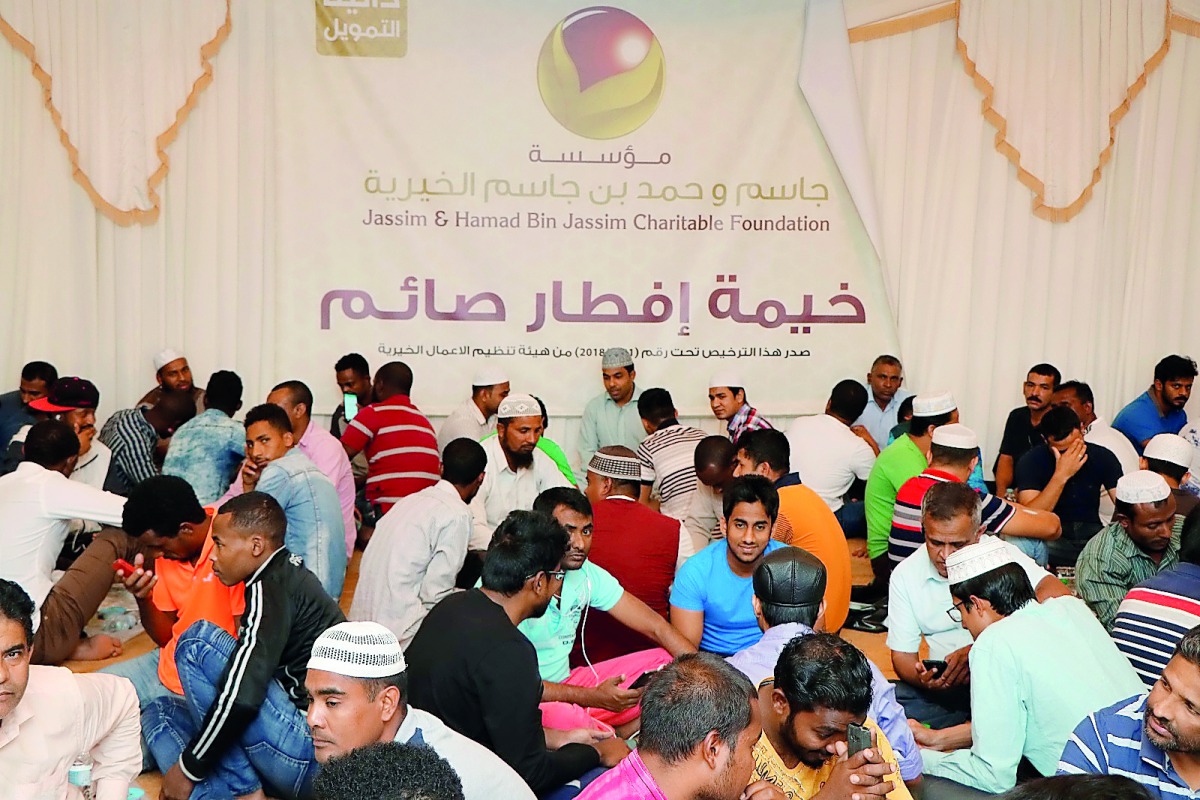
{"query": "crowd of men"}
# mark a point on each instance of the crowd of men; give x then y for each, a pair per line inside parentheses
(658, 620)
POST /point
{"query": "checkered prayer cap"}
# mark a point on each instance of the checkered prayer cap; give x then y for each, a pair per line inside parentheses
(364, 650)
(621, 468)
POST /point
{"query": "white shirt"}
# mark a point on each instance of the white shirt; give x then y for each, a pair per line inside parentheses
(1112, 440)
(465, 422)
(92, 467)
(412, 559)
(483, 774)
(36, 508)
(828, 456)
(504, 490)
(918, 599)
(61, 716)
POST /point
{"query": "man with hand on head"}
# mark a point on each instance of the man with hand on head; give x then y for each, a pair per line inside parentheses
(358, 681)
(240, 727)
(612, 418)
(475, 418)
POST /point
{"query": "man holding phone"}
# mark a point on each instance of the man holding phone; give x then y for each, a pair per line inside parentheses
(817, 741)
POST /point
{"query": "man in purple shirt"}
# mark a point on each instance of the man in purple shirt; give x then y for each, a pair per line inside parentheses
(321, 447)
(699, 724)
(789, 586)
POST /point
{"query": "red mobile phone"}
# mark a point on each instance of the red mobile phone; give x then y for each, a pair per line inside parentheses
(121, 565)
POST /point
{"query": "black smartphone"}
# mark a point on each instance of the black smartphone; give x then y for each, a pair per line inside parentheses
(934, 666)
(644, 679)
(858, 738)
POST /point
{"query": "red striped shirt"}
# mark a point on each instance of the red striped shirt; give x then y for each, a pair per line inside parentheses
(401, 449)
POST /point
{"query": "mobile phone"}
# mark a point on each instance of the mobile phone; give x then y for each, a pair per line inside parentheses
(644, 679)
(121, 565)
(350, 405)
(858, 738)
(935, 666)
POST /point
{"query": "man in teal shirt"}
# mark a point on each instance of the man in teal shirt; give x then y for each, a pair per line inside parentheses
(596, 696)
(612, 417)
(1036, 670)
(905, 458)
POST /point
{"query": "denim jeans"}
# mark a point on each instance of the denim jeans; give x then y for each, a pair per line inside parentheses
(573, 788)
(142, 672)
(275, 749)
(936, 709)
(853, 519)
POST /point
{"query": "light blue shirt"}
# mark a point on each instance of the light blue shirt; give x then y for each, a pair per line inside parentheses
(706, 583)
(606, 423)
(880, 421)
(206, 452)
(553, 633)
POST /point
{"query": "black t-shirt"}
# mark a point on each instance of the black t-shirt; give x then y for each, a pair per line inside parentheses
(1080, 498)
(470, 666)
(1019, 434)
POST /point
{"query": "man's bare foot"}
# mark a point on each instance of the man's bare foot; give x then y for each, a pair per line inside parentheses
(255, 795)
(96, 648)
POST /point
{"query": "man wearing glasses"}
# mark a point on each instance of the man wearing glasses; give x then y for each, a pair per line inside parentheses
(470, 666)
(920, 606)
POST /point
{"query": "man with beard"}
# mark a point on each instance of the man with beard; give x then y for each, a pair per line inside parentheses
(611, 418)
(173, 374)
(595, 695)
(1159, 409)
(698, 733)
(712, 599)
(1154, 739)
(822, 685)
(517, 471)
(472, 668)
(37, 378)
(1020, 429)
(1139, 543)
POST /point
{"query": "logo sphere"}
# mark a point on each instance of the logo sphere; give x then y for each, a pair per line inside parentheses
(600, 72)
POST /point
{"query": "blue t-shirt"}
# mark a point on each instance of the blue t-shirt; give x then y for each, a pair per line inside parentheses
(706, 583)
(1140, 421)
(553, 633)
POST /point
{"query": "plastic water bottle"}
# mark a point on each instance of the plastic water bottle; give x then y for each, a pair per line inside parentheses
(80, 776)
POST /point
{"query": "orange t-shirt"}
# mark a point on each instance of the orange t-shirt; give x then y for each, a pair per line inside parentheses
(814, 528)
(194, 593)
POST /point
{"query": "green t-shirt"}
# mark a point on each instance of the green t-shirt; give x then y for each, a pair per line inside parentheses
(898, 462)
(553, 634)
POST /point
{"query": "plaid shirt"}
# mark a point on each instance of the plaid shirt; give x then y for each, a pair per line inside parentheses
(746, 419)
(1111, 564)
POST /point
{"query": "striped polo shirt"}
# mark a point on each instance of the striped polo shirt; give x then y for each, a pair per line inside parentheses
(668, 462)
(401, 448)
(1112, 741)
(1154, 616)
(906, 536)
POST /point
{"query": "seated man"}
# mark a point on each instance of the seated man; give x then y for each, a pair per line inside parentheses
(174, 374)
(810, 523)
(1153, 739)
(597, 691)
(885, 400)
(164, 515)
(821, 686)
(548, 446)
(419, 546)
(829, 453)
(667, 454)
(920, 594)
(471, 667)
(639, 547)
(37, 378)
(1170, 455)
(517, 471)
(788, 589)
(700, 723)
(274, 465)
(358, 683)
(714, 461)
(133, 435)
(1065, 475)
(37, 504)
(1035, 668)
(1157, 612)
(953, 454)
(353, 376)
(475, 417)
(711, 601)
(48, 716)
(240, 727)
(611, 417)
(1139, 543)
(727, 398)
(1020, 429)
(389, 771)
(1159, 409)
(207, 450)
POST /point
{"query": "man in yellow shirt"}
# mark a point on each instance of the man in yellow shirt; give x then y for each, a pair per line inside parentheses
(822, 684)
